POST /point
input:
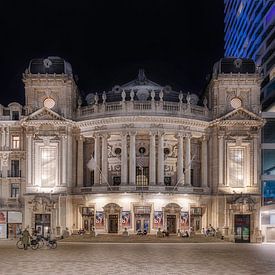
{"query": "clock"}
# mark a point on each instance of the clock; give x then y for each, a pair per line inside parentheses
(49, 103)
(236, 102)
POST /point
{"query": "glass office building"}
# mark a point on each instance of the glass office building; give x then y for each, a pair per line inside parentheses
(249, 32)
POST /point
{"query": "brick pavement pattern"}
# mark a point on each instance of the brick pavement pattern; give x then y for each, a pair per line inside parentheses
(112, 258)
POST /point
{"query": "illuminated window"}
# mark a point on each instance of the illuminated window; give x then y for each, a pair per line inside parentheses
(236, 166)
(15, 142)
(15, 190)
(48, 166)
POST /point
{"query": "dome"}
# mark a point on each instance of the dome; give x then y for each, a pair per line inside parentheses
(234, 65)
(49, 65)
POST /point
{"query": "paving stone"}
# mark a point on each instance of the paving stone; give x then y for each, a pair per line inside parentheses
(147, 258)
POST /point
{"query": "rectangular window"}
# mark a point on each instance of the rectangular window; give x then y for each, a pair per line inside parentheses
(15, 169)
(15, 190)
(15, 142)
(48, 166)
(15, 115)
(142, 176)
(236, 166)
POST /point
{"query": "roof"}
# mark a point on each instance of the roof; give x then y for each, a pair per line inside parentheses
(49, 65)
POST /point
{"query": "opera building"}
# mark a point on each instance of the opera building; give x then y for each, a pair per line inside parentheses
(140, 156)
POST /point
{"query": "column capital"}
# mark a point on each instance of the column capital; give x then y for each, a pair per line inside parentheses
(188, 135)
(124, 134)
(132, 133)
(161, 133)
(179, 135)
(153, 133)
(205, 137)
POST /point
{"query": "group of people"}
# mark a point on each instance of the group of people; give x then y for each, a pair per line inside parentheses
(209, 231)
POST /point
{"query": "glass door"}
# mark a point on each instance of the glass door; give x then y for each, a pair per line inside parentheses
(242, 228)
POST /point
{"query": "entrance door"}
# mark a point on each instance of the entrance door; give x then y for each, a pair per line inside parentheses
(142, 222)
(113, 223)
(171, 224)
(242, 228)
(42, 223)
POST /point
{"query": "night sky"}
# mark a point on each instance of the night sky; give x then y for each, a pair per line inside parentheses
(176, 42)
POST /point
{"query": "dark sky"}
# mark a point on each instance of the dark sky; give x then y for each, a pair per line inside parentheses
(176, 42)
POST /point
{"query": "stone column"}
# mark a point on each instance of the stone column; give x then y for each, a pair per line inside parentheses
(97, 160)
(160, 159)
(255, 160)
(29, 159)
(104, 159)
(80, 161)
(204, 176)
(3, 138)
(180, 175)
(70, 160)
(152, 160)
(132, 176)
(64, 160)
(188, 160)
(221, 159)
(8, 137)
(124, 159)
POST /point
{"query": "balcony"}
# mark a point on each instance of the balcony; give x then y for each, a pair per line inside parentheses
(140, 189)
(127, 108)
(14, 174)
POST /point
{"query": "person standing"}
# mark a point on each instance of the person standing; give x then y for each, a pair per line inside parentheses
(25, 238)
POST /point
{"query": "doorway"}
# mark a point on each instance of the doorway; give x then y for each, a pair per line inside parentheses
(113, 224)
(171, 224)
(242, 228)
(142, 222)
(42, 224)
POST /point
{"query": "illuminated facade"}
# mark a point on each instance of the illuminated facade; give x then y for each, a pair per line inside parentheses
(140, 156)
(249, 33)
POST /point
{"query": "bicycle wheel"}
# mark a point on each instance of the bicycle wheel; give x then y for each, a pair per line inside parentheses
(53, 245)
(41, 243)
(35, 245)
(19, 244)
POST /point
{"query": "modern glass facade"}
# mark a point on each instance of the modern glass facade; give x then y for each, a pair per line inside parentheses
(250, 32)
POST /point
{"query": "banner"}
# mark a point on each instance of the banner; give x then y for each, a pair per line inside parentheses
(14, 217)
(99, 220)
(126, 219)
(158, 219)
(3, 216)
(184, 220)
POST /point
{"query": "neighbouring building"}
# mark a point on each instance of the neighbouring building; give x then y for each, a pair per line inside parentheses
(250, 33)
(141, 156)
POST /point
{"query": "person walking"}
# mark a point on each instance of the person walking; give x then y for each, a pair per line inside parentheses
(25, 238)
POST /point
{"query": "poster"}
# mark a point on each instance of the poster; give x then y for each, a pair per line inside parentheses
(158, 220)
(99, 220)
(126, 219)
(14, 217)
(3, 217)
(184, 220)
(3, 231)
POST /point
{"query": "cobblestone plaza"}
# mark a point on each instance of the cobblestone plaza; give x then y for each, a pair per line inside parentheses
(87, 258)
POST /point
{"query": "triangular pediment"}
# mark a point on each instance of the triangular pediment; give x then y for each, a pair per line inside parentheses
(240, 115)
(44, 114)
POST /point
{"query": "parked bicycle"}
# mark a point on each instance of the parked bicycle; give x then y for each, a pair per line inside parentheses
(33, 244)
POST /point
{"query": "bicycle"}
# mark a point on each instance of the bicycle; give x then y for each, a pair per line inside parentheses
(51, 243)
(33, 244)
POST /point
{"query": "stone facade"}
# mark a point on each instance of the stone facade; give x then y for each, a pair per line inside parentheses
(140, 156)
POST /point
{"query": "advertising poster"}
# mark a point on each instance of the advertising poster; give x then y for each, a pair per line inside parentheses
(14, 217)
(158, 219)
(126, 219)
(184, 220)
(3, 231)
(3, 217)
(99, 220)
(268, 192)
